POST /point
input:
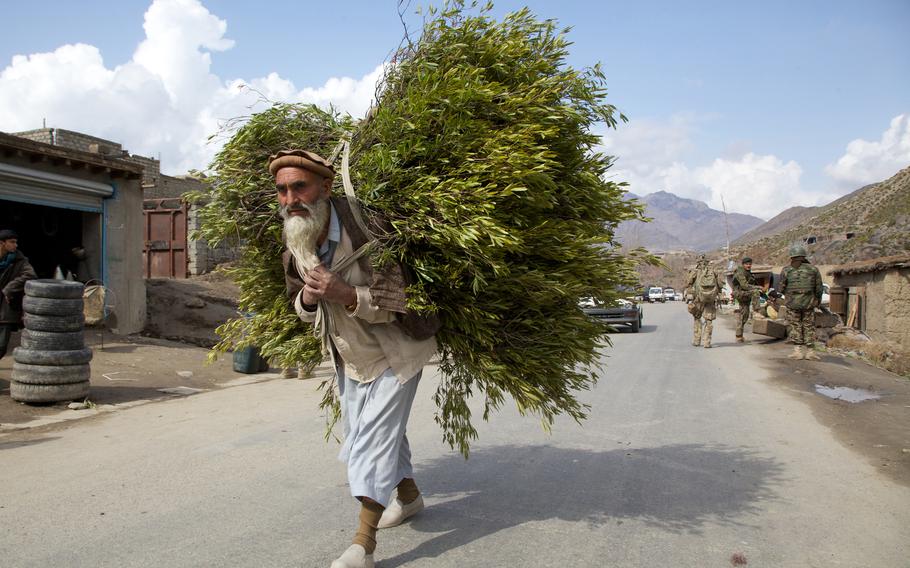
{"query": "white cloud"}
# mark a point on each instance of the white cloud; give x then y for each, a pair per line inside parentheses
(165, 99)
(652, 157)
(756, 185)
(646, 144)
(869, 162)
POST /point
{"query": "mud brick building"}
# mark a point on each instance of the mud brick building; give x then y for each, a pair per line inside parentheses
(874, 296)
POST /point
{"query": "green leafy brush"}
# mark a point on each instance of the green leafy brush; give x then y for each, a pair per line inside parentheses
(481, 155)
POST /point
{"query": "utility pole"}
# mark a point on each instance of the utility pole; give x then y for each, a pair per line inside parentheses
(727, 229)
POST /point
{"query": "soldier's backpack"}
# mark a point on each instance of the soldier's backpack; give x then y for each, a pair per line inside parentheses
(706, 285)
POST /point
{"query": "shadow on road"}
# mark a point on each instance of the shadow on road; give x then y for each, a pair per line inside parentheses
(677, 488)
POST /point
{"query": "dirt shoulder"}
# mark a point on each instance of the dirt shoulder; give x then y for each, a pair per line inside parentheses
(127, 370)
(879, 429)
(189, 310)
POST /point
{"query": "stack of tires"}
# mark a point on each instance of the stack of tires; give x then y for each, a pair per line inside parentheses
(52, 361)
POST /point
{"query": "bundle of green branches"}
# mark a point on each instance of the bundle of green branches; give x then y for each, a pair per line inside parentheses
(239, 206)
(481, 154)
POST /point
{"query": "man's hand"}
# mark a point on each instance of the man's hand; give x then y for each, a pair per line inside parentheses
(322, 284)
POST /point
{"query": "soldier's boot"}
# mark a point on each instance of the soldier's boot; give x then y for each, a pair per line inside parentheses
(810, 354)
(696, 335)
(797, 352)
(706, 336)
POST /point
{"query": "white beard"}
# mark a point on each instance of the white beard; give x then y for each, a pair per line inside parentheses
(301, 232)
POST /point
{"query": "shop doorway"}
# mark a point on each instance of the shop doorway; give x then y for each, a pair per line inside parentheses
(49, 235)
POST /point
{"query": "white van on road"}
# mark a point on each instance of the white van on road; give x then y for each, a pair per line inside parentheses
(655, 294)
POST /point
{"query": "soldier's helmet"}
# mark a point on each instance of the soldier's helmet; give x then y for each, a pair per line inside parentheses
(797, 251)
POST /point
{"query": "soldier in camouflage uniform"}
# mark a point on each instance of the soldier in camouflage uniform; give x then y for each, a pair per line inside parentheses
(703, 288)
(801, 284)
(746, 292)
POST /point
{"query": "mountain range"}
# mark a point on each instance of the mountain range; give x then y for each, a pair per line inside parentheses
(678, 223)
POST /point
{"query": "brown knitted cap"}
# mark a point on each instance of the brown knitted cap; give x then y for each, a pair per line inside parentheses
(301, 159)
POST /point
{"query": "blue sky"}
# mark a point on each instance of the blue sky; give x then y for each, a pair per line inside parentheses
(767, 104)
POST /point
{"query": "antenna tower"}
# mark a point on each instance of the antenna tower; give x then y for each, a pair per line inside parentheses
(726, 227)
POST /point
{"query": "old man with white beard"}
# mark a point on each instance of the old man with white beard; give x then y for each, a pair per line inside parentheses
(378, 346)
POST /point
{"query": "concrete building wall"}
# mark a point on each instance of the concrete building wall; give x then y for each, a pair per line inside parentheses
(125, 277)
(122, 242)
(897, 306)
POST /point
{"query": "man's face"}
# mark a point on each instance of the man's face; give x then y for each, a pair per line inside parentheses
(298, 188)
(9, 245)
(747, 265)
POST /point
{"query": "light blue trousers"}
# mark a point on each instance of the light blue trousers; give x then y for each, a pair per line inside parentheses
(376, 449)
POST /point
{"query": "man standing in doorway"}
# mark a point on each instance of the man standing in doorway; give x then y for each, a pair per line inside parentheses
(746, 294)
(801, 285)
(703, 288)
(378, 356)
(15, 270)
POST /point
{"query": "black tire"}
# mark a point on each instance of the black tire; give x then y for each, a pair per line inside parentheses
(48, 393)
(30, 357)
(52, 341)
(59, 289)
(52, 306)
(636, 326)
(51, 374)
(59, 324)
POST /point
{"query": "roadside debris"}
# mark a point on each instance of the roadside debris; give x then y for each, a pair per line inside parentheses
(181, 391)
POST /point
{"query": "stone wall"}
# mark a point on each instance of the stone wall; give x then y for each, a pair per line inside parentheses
(151, 169)
(73, 140)
(202, 257)
(172, 186)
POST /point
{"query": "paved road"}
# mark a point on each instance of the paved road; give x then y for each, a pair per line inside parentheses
(690, 456)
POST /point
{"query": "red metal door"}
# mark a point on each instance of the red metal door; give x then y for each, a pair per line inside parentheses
(165, 253)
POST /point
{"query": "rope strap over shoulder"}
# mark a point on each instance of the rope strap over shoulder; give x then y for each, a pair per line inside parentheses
(325, 323)
(344, 149)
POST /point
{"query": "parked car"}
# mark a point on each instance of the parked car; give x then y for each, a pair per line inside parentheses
(656, 294)
(679, 297)
(624, 312)
(669, 294)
